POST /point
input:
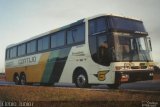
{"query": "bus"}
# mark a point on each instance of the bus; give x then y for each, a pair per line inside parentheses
(103, 49)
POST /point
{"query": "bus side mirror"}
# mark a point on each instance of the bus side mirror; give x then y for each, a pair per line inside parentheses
(149, 44)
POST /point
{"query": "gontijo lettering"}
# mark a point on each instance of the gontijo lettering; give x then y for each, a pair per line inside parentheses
(27, 60)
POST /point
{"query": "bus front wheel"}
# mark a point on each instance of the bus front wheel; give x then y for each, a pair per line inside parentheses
(81, 80)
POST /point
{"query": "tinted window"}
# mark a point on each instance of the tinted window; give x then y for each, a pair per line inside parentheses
(43, 43)
(101, 25)
(103, 50)
(7, 54)
(22, 50)
(93, 47)
(75, 35)
(13, 52)
(40, 45)
(31, 47)
(92, 27)
(97, 25)
(102, 41)
(69, 37)
(58, 39)
(10, 53)
(126, 24)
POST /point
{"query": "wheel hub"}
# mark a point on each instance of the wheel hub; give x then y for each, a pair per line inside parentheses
(81, 80)
(23, 80)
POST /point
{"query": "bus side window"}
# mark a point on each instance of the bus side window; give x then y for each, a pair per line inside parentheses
(103, 49)
(13, 52)
(7, 54)
(58, 39)
(43, 43)
(21, 49)
(97, 25)
(98, 41)
(31, 47)
(69, 37)
(76, 35)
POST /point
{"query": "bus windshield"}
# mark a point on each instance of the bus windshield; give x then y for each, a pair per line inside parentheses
(131, 48)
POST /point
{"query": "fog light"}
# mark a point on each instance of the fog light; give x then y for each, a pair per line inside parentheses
(125, 76)
(118, 67)
(151, 74)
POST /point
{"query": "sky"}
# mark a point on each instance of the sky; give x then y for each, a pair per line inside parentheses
(23, 19)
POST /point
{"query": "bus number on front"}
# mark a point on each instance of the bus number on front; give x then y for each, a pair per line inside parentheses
(101, 75)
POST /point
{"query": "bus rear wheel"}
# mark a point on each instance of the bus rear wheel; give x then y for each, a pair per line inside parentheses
(23, 79)
(16, 79)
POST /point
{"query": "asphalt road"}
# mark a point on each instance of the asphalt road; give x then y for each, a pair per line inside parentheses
(152, 85)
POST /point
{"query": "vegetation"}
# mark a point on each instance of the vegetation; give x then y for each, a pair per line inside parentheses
(44, 96)
(74, 97)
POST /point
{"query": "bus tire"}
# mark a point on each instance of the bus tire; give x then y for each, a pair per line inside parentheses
(16, 79)
(22, 79)
(81, 79)
(113, 86)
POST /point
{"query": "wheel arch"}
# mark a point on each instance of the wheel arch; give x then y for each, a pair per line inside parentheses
(22, 73)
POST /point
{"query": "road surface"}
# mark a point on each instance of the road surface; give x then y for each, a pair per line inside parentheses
(152, 85)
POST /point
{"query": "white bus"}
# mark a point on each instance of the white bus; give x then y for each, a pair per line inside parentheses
(104, 49)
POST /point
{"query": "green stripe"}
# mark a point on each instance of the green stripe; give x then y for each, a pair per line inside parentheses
(49, 66)
(59, 65)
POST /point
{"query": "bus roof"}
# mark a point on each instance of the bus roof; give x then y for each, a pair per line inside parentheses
(47, 33)
(67, 26)
(116, 15)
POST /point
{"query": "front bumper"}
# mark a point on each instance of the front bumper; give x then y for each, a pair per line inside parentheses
(132, 76)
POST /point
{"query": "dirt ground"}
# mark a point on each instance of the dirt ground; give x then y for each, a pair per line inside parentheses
(40, 96)
(73, 96)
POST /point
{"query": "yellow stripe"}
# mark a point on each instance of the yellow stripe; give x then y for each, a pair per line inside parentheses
(33, 73)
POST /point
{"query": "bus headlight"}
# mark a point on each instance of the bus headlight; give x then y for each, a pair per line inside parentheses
(150, 67)
(122, 68)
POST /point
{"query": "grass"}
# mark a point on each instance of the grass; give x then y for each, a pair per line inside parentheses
(42, 96)
(74, 96)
